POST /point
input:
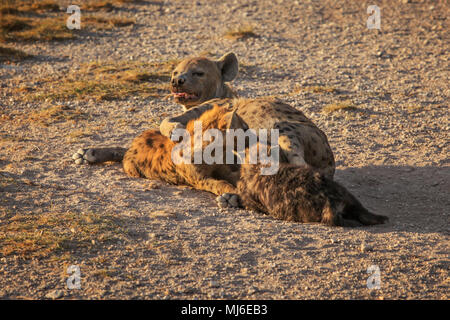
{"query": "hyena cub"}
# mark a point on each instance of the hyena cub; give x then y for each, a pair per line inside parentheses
(150, 156)
(301, 194)
(295, 193)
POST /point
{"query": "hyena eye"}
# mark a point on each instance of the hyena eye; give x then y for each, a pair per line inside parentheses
(175, 73)
(198, 74)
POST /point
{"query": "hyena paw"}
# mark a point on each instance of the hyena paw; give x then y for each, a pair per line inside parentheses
(228, 200)
(85, 156)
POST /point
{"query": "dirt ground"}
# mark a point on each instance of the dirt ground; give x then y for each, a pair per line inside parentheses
(140, 239)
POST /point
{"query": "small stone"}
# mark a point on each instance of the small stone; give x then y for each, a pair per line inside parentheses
(55, 294)
(252, 290)
(76, 156)
(79, 161)
(214, 284)
(366, 247)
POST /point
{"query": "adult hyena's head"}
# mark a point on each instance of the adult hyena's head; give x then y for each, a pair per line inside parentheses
(196, 80)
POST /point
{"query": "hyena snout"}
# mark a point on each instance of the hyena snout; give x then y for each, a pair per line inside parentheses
(178, 81)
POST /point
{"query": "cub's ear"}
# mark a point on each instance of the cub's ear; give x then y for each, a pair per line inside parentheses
(233, 121)
(229, 66)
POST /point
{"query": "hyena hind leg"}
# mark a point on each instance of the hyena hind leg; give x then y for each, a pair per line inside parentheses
(98, 155)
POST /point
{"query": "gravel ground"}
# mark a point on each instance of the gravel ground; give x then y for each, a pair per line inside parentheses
(391, 149)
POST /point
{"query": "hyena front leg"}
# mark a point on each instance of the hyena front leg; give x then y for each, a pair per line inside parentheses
(226, 192)
(98, 155)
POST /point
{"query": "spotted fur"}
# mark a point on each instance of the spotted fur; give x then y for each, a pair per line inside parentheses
(150, 156)
(294, 193)
(301, 141)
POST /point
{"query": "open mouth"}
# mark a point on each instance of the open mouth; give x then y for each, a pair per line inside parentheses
(184, 96)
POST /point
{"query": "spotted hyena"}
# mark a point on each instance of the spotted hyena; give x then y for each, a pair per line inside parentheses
(293, 193)
(195, 81)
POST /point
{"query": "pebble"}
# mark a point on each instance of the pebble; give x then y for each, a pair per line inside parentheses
(55, 294)
(366, 247)
(252, 290)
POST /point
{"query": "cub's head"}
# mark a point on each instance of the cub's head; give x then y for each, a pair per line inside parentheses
(196, 80)
(221, 118)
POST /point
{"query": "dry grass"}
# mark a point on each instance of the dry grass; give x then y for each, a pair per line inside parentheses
(43, 21)
(109, 81)
(343, 105)
(107, 5)
(18, 28)
(55, 114)
(241, 33)
(15, 28)
(414, 109)
(20, 6)
(100, 22)
(56, 233)
(8, 54)
(314, 89)
(76, 135)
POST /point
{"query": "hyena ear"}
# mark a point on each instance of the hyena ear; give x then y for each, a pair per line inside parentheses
(229, 66)
(233, 121)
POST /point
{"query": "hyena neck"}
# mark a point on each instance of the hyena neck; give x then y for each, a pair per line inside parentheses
(224, 91)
